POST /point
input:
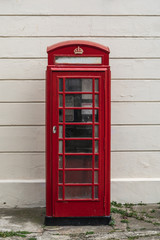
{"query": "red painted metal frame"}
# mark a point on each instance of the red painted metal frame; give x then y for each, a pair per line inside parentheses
(59, 204)
(78, 42)
(100, 70)
(107, 110)
(67, 48)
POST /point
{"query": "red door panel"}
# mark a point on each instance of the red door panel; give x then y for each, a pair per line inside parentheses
(78, 143)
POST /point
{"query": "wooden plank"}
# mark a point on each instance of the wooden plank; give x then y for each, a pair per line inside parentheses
(123, 138)
(80, 7)
(135, 68)
(121, 68)
(22, 166)
(124, 165)
(22, 113)
(79, 26)
(146, 191)
(30, 138)
(122, 90)
(19, 194)
(122, 113)
(135, 138)
(120, 47)
(135, 164)
(22, 69)
(135, 113)
(22, 91)
(135, 90)
(32, 194)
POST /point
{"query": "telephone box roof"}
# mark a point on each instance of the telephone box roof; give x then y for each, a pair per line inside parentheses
(77, 42)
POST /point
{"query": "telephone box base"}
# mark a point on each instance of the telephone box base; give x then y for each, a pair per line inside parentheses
(76, 221)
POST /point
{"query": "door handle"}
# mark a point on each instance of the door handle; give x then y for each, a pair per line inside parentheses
(54, 129)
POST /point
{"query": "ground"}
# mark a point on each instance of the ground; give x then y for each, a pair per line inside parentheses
(129, 222)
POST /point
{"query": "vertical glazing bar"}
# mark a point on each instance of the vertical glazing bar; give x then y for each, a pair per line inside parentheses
(58, 84)
(101, 108)
(107, 139)
(93, 131)
(63, 137)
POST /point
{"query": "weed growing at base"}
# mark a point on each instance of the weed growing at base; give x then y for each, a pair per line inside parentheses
(13, 234)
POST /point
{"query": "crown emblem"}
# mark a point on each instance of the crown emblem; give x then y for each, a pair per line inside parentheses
(78, 50)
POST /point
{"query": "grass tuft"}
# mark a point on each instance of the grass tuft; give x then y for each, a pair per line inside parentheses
(91, 232)
(13, 234)
(142, 204)
(115, 204)
(132, 238)
(124, 221)
(112, 223)
(156, 223)
(152, 211)
(128, 205)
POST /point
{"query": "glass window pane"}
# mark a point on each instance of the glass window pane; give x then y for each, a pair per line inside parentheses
(96, 131)
(78, 100)
(96, 85)
(96, 161)
(95, 191)
(78, 115)
(78, 84)
(60, 100)
(78, 161)
(78, 131)
(75, 146)
(78, 60)
(71, 100)
(60, 192)
(96, 100)
(60, 115)
(78, 192)
(60, 146)
(60, 161)
(96, 116)
(78, 176)
(60, 84)
(86, 115)
(60, 177)
(70, 115)
(95, 176)
(96, 147)
(60, 131)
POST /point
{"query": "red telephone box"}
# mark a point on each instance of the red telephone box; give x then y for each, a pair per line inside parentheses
(78, 134)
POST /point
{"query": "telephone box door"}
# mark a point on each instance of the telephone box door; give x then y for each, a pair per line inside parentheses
(78, 143)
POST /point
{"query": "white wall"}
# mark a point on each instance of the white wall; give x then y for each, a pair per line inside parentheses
(132, 31)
